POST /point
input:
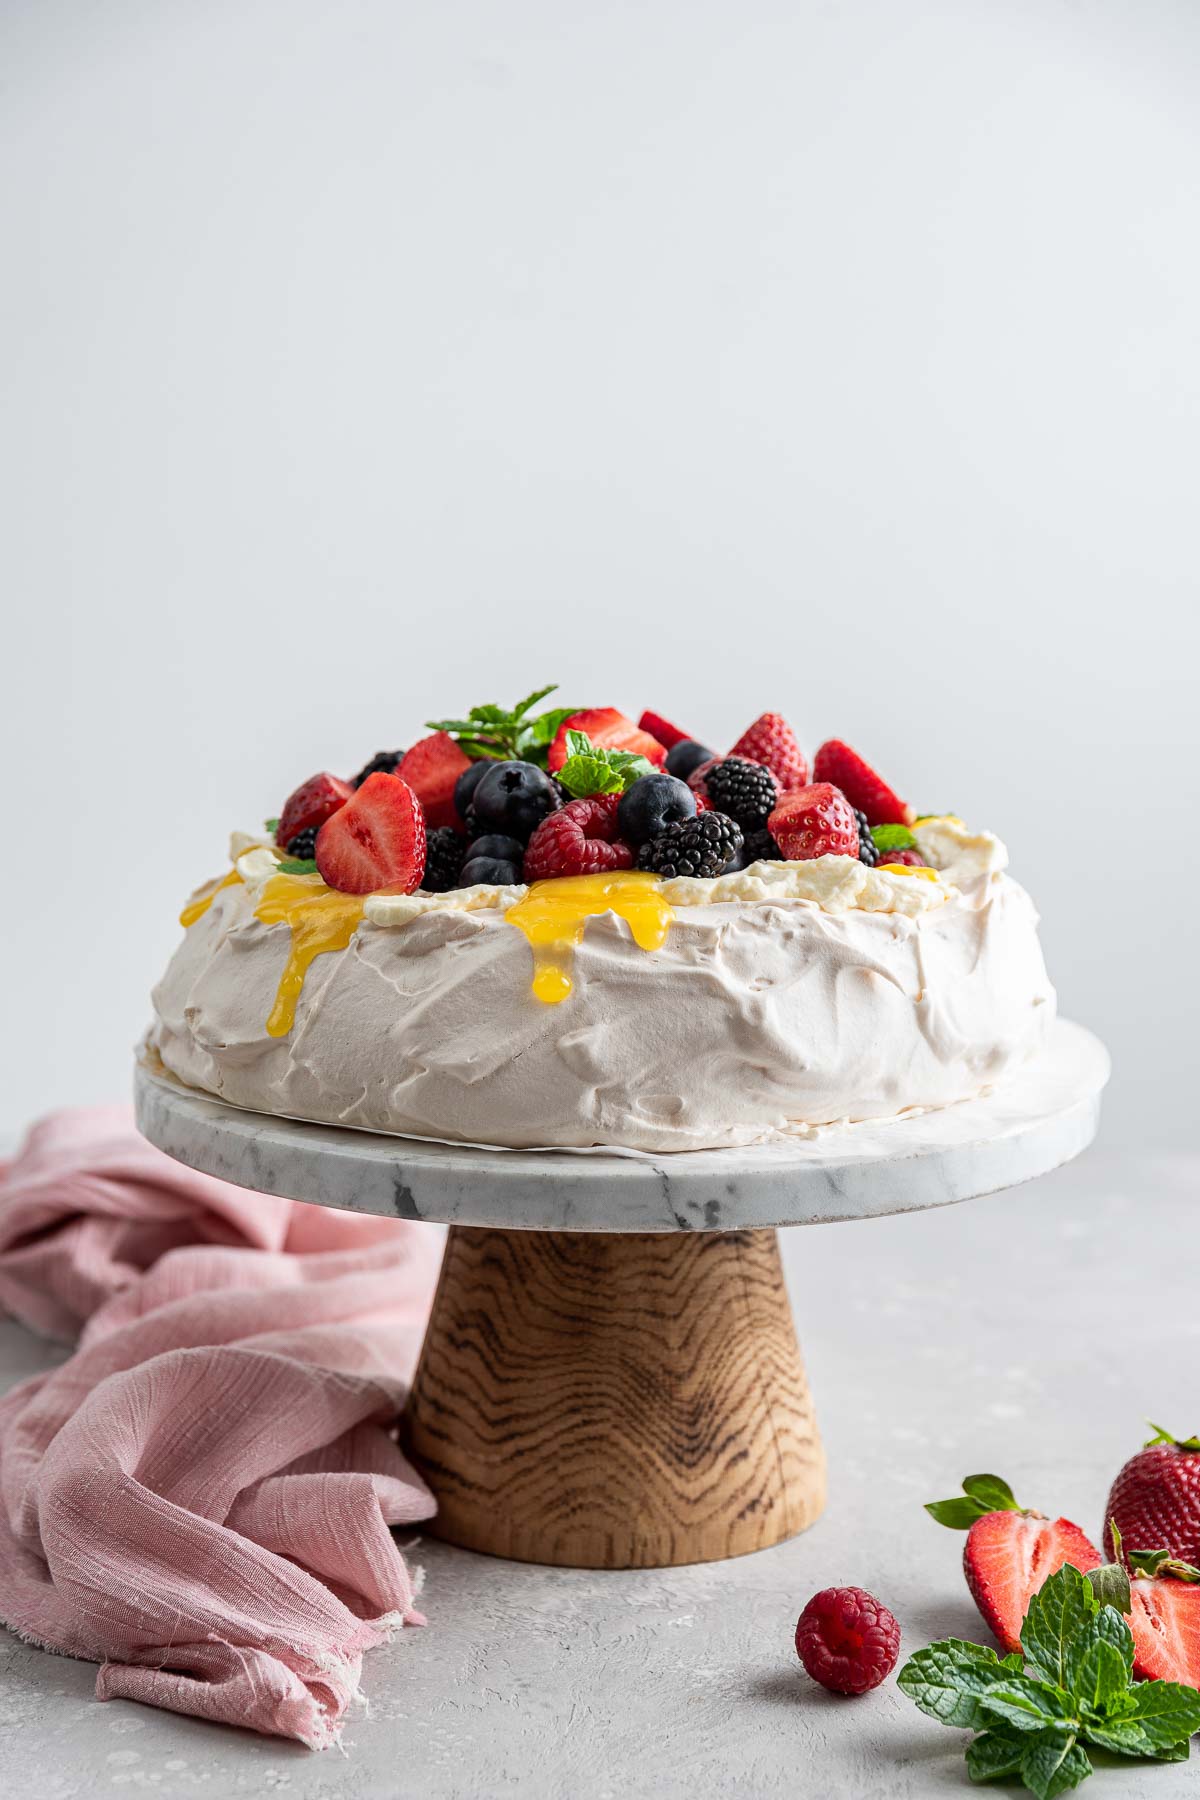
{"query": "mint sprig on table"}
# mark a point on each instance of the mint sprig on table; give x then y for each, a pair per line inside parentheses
(591, 769)
(507, 735)
(1070, 1684)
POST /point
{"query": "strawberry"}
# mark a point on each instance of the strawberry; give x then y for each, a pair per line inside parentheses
(1009, 1552)
(610, 729)
(814, 821)
(431, 768)
(1164, 1617)
(375, 841)
(771, 740)
(1155, 1500)
(663, 730)
(314, 801)
(863, 788)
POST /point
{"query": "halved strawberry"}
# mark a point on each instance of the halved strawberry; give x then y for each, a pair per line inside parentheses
(772, 742)
(662, 729)
(431, 768)
(610, 729)
(1165, 1619)
(814, 821)
(1007, 1557)
(863, 788)
(314, 801)
(375, 841)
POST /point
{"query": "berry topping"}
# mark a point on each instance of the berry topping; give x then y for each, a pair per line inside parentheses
(867, 851)
(1165, 1620)
(498, 847)
(303, 845)
(513, 798)
(847, 1640)
(814, 821)
(464, 787)
(384, 762)
(651, 804)
(743, 790)
(489, 871)
(905, 859)
(772, 741)
(703, 846)
(697, 780)
(662, 729)
(863, 788)
(445, 853)
(580, 839)
(314, 801)
(432, 768)
(376, 840)
(759, 846)
(687, 755)
(605, 726)
(1155, 1500)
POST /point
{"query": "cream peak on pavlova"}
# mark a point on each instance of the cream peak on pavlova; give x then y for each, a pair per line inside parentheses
(561, 927)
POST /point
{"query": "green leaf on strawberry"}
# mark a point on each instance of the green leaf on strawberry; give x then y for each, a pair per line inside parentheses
(591, 769)
(982, 1494)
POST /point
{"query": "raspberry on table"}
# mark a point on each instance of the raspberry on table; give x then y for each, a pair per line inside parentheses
(847, 1640)
(580, 839)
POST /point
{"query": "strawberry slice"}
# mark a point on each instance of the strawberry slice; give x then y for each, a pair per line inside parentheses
(314, 801)
(1007, 1557)
(611, 730)
(431, 768)
(772, 742)
(375, 841)
(1165, 1622)
(662, 729)
(814, 821)
(863, 788)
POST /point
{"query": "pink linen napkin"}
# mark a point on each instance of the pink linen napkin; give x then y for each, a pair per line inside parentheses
(199, 1498)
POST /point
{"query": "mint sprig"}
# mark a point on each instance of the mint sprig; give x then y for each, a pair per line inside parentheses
(507, 735)
(296, 865)
(893, 837)
(591, 769)
(1070, 1684)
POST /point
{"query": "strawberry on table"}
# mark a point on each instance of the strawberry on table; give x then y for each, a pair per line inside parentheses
(1155, 1499)
(314, 801)
(375, 841)
(772, 742)
(667, 734)
(431, 769)
(813, 821)
(605, 726)
(863, 788)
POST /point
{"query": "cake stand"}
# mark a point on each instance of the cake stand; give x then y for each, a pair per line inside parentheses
(611, 1378)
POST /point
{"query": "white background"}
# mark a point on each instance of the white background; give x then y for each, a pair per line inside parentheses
(362, 361)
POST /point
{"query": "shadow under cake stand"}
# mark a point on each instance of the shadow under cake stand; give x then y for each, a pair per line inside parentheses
(611, 1378)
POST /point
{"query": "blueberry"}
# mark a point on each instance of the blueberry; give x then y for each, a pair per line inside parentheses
(651, 804)
(490, 870)
(466, 784)
(497, 848)
(513, 798)
(683, 757)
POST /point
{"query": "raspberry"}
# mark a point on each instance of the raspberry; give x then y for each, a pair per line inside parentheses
(771, 741)
(911, 859)
(847, 1640)
(580, 839)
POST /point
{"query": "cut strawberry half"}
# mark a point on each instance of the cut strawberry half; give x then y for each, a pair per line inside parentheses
(863, 788)
(1165, 1622)
(1007, 1557)
(314, 801)
(662, 729)
(431, 769)
(611, 730)
(375, 841)
(814, 821)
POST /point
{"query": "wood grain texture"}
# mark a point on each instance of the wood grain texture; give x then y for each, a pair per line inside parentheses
(614, 1401)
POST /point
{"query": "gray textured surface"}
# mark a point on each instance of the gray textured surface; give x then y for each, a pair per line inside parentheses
(1042, 1117)
(1023, 1333)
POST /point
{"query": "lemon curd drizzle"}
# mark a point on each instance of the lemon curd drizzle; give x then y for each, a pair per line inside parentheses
(552, 916)
(320, 919)
(196, 909)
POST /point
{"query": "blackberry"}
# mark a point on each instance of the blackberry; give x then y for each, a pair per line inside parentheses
(744, 791)
(445, 853)
(760, 846)
(385, 761)
(304, 844)
(703, 846)
(867, 853)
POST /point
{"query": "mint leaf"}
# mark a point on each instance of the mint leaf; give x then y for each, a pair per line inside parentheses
(1027, 1703)
(523, 706)
(296, 865)
(541, 732)
(947, 1679)
(591, 769)
(1101, 1679)
(1057, 1613)
(1053, 1766)
(271, 825)
(1164, 1713)
(1108, 1627)
(899, 837)
(996, 1754)
(503, 734)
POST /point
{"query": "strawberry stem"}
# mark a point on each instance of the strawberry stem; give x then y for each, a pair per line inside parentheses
(1162, 1436)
